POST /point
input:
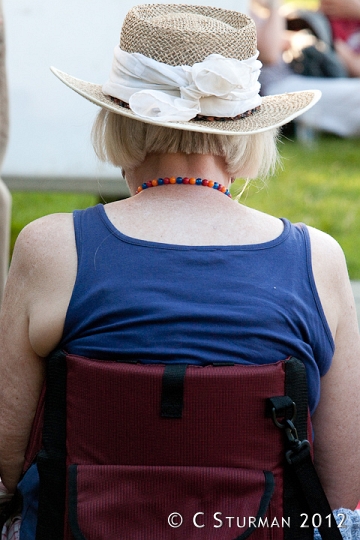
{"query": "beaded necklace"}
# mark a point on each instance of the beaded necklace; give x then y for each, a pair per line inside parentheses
(184, 180)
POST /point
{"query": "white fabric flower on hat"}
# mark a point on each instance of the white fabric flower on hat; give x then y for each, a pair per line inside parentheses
(217, 86)
(219, 76)
(217, 79)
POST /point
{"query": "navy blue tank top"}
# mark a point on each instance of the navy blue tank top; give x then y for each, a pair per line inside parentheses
(155, 302)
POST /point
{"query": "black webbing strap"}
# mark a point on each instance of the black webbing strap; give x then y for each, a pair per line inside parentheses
(315, 495)
(294, 501)
(172, 393)
(299, 468)
(51, 461)
(296, 388)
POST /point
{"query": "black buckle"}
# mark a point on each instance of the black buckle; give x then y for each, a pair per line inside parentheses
(285, 409)
(293, 455)
(299, 450)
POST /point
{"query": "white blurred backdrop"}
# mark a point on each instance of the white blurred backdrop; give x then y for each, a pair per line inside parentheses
(50, 124)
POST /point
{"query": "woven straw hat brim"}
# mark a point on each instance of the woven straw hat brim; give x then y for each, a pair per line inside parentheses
(275, 111)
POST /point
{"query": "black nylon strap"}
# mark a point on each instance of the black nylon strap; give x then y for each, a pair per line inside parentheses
(316, 498)
(296, 388)
(51, 461)
(172, 395)
(301, 470)
(294, 501)
(283, 405)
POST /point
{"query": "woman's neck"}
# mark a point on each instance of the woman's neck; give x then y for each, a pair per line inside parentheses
(190, 165)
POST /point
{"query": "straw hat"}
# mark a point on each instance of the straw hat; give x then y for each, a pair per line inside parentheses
(191, 68)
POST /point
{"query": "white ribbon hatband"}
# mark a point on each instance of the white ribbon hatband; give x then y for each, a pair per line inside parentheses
(218, 86)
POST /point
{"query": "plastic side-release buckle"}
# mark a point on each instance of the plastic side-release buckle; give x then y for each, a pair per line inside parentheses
(283, 413)
(299, 450)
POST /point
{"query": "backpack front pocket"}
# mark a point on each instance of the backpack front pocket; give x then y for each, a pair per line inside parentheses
(168, 502)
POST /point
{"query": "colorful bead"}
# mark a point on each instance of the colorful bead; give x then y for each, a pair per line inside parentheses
(184, 180)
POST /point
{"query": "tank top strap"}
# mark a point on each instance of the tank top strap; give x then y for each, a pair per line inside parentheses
(90, 232)
(303, 229)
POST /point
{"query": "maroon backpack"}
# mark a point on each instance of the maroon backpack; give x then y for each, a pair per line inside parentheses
(161, 452)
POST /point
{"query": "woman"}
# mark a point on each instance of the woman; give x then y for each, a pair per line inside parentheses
(134, 277)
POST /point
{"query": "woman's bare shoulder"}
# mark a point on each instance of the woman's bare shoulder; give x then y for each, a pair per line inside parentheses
(46, 226)
(45, 257)
(324, 241)
(47, 238)
(331, 277)
(327, 256)
(41, 279)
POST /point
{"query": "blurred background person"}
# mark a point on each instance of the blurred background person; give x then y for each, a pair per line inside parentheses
(338, 111)
(5, 198)
(344, 18)
(270, 28)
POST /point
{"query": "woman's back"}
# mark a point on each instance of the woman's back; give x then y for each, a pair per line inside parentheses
(157, 302)
(184, 213)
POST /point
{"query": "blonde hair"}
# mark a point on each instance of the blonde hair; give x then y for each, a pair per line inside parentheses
(126, 142)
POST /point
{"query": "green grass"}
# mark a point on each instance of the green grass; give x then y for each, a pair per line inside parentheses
(319, 185)
(28, 206)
